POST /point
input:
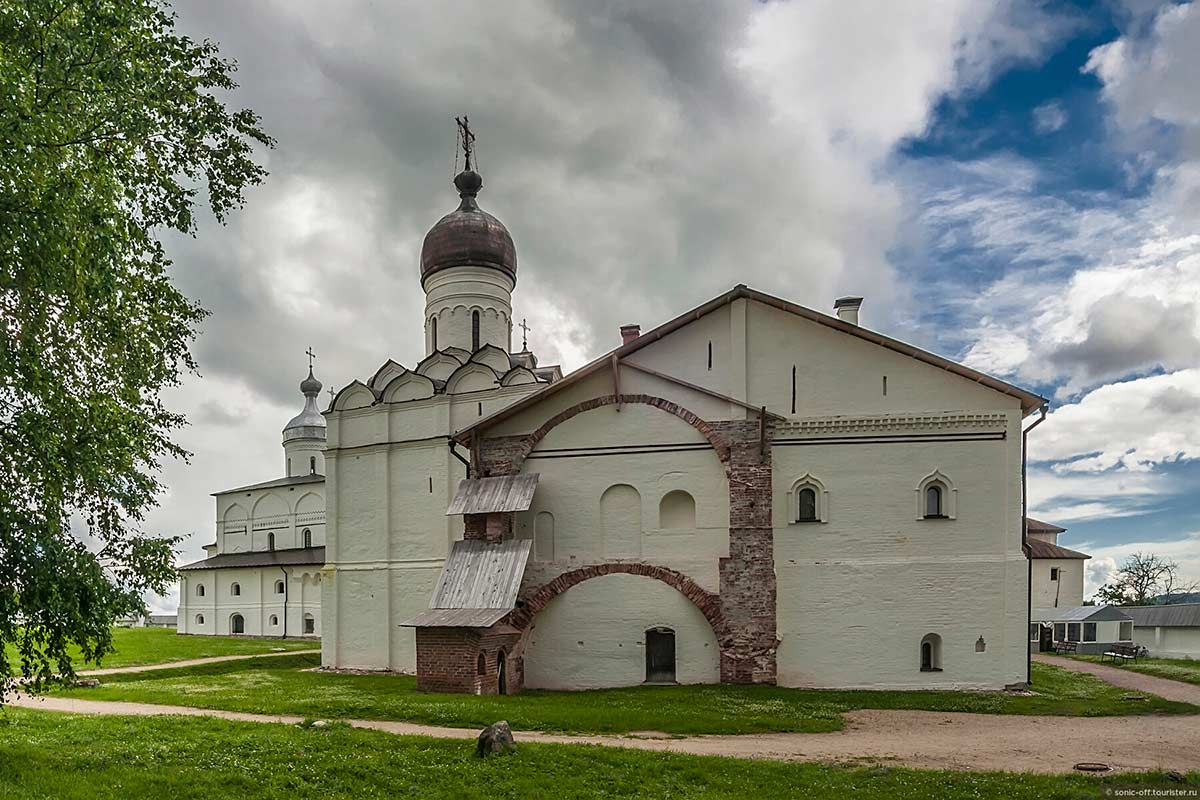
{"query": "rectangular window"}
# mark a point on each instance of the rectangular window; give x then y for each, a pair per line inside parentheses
(1035, 631)
(1054, 573)
(1127, 631)
(1073, 632)
(1089, 631)
(1060, 632)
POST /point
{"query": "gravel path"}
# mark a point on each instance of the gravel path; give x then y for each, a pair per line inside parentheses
(923, 739)
(193, 662)
(1128, 679)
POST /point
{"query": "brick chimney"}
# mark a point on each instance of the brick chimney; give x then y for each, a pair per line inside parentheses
(630, 332)
(847, 309)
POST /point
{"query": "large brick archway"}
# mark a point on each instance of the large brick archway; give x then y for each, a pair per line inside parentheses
(709, 604)
(531, 440)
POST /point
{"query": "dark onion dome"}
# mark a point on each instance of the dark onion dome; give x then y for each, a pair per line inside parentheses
(468, 236)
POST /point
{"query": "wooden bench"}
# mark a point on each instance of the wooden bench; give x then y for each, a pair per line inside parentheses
(1064, 648)
(1122, 653)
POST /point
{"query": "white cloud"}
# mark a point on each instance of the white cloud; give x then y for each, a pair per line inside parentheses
(1107, 559)
(1049, 117)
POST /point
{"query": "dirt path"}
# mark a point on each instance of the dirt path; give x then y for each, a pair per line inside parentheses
(923, 739)
(194, 662)
(1128, 679)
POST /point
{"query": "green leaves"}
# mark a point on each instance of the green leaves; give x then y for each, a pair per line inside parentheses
(112, 129)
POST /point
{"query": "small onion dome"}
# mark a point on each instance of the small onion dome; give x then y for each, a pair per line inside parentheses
(309, 423)
(468, 236)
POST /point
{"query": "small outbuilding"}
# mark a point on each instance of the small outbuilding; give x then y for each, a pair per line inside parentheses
(1171, 631)
(1093, 628)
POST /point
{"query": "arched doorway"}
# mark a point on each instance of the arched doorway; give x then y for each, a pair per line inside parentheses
(660, 655)
(237, 624)
(501, 673)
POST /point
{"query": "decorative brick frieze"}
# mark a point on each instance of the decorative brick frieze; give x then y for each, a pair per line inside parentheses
(841, 426)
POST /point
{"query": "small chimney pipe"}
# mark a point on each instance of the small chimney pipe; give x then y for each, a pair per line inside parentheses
(630, 332)
(847, 309)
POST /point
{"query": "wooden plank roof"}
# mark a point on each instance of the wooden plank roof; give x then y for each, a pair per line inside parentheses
(457, 618)
(489, 495)
(478, 585)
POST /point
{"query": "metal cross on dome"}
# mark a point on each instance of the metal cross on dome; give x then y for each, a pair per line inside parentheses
(524, 336)
(467, 137)
(311, 356)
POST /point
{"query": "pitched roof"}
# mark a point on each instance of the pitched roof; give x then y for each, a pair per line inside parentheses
(488, 495)
(1029, 400)
(478, 585)
(1040, 549)
(1079, 614)
(293, 557)
(1176, 615)
(1037, 526)
(294, 480)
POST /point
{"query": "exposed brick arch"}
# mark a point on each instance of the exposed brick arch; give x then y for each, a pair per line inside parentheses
(531, 441)
(708, 603)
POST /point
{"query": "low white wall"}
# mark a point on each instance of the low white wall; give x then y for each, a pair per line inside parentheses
(593, 635)
(1169, 642)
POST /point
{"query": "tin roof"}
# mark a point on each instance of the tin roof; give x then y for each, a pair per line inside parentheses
(1078, 614)
(292, 557)
(1037, 526)
(1040, 549)
(488, 495)
(294, 480)
(1180, 615)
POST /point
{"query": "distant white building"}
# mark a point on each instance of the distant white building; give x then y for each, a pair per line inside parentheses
(262, 576)
(1093, 629)
(1171, 631)
(1056, 573)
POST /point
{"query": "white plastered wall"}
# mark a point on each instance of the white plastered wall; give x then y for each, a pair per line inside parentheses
(1066, 592)
(593, 635)
(258, 601)
(1164, 642)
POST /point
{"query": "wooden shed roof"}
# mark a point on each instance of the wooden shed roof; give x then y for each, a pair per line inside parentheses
(489, 495)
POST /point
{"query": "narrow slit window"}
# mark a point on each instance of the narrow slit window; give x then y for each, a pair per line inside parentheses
(312, 465)
(793, 388)
(307, 537)
(270, 541)
(710, 354)
(885, 385)
(474, 331)
(433, 330)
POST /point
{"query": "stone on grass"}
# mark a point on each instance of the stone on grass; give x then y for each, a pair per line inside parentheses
(86, 683)
(494, 740)
(320, 724)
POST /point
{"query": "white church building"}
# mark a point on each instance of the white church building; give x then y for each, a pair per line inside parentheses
(262, 576)
(752, 492)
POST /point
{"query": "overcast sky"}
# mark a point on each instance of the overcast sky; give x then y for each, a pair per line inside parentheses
(1009, 183)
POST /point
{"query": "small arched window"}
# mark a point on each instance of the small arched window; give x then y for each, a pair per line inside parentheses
(933, 501)
(237, 624)
(936, 497)
(808, 505)
(931, 653)
(271, 541)
(677, 510)
(474, 331)
(235, 589)
(278, 587)
(809, 500)
(433, 332)
(274, 621)
(481, 665)
(312, 465)
(310, 624)
(199, 619)
(200, 590)
(307, 537)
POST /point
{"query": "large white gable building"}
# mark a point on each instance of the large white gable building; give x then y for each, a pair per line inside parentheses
(751, 492)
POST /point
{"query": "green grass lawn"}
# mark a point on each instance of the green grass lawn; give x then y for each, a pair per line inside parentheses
(285, 686)
(138, 646)
(68, 757)
(1177, 669)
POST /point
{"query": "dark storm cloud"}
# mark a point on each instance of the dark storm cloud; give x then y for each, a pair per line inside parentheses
(1126, 335)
